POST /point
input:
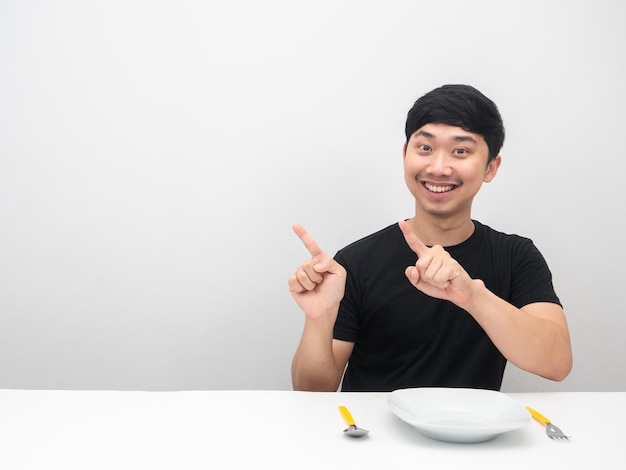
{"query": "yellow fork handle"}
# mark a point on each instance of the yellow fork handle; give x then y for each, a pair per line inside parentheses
(347, 417)
(538, 416)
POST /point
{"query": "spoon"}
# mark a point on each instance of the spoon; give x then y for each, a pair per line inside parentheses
(352, 429)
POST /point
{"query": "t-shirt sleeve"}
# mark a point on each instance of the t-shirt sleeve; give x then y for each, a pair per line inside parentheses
(346, 325)
(532, 279)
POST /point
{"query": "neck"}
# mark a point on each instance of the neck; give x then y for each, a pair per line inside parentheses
(440, 230)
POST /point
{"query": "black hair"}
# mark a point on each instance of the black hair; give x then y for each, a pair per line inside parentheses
(461, 106)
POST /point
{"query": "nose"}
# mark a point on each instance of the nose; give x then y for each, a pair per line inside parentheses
(440, 164)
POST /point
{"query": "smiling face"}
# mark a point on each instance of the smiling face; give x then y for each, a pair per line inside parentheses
(444, 167)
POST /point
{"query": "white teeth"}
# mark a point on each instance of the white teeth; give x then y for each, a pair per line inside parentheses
(438, 189)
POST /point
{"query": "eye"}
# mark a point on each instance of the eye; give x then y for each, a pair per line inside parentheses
(460, 151)
(425, 148)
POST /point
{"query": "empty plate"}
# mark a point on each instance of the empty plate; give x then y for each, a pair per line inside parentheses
(458, 414)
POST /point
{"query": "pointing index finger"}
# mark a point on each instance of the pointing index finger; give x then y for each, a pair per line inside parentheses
(412, 240)
(308, 241)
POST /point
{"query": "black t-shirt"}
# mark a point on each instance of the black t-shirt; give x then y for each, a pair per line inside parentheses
(404, 338)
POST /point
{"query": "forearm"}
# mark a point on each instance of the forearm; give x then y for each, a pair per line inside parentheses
(314, 367)
(534, 338)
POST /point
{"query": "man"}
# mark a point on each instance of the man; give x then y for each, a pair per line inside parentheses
(471, 298)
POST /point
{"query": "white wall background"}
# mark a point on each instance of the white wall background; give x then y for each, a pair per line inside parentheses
(154, 154)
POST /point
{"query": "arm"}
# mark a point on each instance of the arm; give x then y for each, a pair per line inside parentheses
(534, 338)
(318, 286)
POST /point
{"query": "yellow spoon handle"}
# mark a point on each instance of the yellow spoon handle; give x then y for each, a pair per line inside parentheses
(538, 416)
(347, 417)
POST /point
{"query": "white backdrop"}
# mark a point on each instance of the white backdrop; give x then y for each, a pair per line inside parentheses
(154, 155)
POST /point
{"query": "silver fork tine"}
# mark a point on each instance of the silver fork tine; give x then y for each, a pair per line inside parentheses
(552, 431)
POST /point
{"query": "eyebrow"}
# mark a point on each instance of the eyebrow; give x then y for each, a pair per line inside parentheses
(456, 138)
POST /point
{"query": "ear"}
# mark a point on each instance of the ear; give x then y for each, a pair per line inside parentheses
(492, 169)
(404, 151)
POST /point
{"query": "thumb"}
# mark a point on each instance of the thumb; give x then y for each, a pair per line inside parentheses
(327, 265)
(413, 275)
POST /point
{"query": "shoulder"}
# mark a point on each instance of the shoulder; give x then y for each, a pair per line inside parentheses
(383, 237)
(487, 234)
(378, 253)
(517, 251)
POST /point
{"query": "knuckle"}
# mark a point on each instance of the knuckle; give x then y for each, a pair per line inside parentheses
(301, 276)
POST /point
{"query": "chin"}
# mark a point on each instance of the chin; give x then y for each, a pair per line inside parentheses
(439, 213)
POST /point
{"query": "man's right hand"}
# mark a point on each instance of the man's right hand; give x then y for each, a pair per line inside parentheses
(318, 285)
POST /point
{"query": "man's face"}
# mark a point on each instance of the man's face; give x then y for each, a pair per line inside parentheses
(444, 167)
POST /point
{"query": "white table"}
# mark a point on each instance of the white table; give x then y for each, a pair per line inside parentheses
(282, 429)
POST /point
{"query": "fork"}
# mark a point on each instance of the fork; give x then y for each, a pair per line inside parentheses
(552, 431)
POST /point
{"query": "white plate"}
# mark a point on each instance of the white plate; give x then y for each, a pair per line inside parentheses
(458, 414)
